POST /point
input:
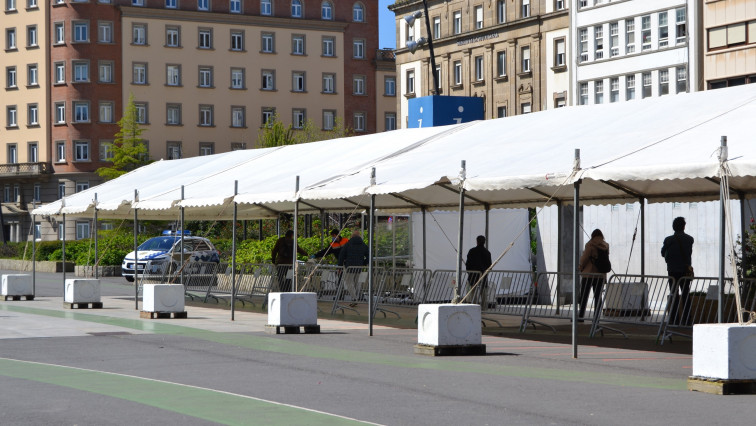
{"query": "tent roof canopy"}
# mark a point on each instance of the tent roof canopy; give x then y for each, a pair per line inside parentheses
(662, 149)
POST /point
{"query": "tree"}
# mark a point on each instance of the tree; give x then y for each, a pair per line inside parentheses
(129, 153)
(278, 134)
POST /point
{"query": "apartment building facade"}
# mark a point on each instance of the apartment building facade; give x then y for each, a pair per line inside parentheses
(205, 76)
(511, 53)
(729, 57)
(634, 49)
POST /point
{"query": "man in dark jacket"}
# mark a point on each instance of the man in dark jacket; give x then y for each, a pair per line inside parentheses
(478, 260)
(353, 254)
(283, 257)
(677, 251)
(337, 242)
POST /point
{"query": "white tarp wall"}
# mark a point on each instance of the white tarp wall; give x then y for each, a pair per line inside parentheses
(618, 223)
(504, 225)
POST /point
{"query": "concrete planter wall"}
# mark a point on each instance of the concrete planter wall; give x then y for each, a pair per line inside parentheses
(104, 271)
(42, 266)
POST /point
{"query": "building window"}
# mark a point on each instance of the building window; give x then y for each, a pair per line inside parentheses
(525, 59)
(37, 197)
(12, 153)
(478, 17)
(237, 78)
(646, 85)
(389, 86)
(326, 11)
(614, 89)
(359, 122)
(457, 22)
(559, 4)
(206, 148)
(81, 112)
(682, 79)
(105, 72)
(298, 118)
(173, 75)
(82, 186)
(358, 13)
(297, 44)
(31, 36)
(501, 11)
(238, 146)
(60, 112)
(614, 39)
(457, 73)
(142, 116)
(479, 68)
(33, 152)
(137, 2)
(235, 6)
(10, 5)
(630, 36)
(268, 80)
(267, 45)
(390, 121)
(237, 41)
(681, 27)
(436, 28)
(139, 73)
(106, 112)
(598, 88)
(82, 230)
(81, 32)
(501, 112)
(81, 151)
(12, 116)
(60, 154)
(59, 33)
(139, 34)
(358, 50)
(560, 58)
(298, 81)
(106, 150)
(171, 4)
(173, 114)
(11, 78)
(205, 39)
(329, 118)
(105, 32)
(172, 37)
(173, 150)
(525, 8)
(266, 7)
(81, 71)
(61, 194)
(238, 117)
(206, 115)
(328, 46)
(501, 64)
(663, 29)
(10, 39)
(33, 115)
(60, 72)
(329, 83)
(358, 85)
(206, 77)
(410, 32)
(525, 108)
(598, 32)
(296, 8)
(663, 82)
(410, 82)
(268, 115)
(731, 35)
(646, 32)
(629, 87)
(203, 4)
(583, 93)
(583, 44)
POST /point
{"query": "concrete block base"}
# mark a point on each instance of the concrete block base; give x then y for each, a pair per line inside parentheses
(82, 291)
(450, 350)
(448, 325)
(163, 298)
(292, 309)
(17, 285)
(724, 351)
(721, 387)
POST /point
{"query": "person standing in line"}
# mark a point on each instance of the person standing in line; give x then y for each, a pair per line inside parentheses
(282, 256)
(337, 242)
(677, 251)
(587, 265)
(478, 261)
(354, 253)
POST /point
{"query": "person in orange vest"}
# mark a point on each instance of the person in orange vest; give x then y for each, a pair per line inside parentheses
(337, 242)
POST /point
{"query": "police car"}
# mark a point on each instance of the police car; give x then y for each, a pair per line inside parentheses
(165, 251)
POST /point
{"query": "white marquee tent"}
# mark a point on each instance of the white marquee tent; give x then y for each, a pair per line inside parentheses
(661, 149)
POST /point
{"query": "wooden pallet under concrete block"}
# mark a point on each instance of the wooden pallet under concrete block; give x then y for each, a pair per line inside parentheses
(292, 329)
(161, 315)
(18, 297)
(450, 350)
(82, 305)
(721, 386)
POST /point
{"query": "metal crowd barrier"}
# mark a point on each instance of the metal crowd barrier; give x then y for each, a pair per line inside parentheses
(553, 298)
(441, 287)
(403, 287)
(353, 287)
(506, 293)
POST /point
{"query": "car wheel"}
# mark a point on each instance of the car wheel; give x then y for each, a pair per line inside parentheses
(129, 278)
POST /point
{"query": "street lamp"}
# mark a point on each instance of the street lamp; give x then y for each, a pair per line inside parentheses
(413, 45)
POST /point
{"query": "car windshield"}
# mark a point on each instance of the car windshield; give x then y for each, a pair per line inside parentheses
(158, 243)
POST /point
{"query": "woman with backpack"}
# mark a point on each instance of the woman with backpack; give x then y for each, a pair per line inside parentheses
(595, 264)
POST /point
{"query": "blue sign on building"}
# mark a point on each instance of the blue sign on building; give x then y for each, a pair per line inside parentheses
(429, 111)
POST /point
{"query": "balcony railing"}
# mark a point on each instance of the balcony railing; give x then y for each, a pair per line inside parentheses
(25, 169)
(385, 55)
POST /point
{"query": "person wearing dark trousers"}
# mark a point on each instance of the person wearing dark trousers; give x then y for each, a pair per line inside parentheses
(353, 253)
(677, 251)
(478, 261)
(587, 265)
(283, 257)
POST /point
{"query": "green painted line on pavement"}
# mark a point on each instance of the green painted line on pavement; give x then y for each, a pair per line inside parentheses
(271, 344)
(212, 405)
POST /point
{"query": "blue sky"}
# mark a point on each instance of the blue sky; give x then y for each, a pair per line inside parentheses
(387, 31)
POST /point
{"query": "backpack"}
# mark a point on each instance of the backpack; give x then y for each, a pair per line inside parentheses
(602, 262)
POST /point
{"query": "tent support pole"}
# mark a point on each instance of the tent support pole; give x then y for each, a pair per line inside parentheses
(233, 251)
(722, 231)
(488, 211)
(63, 255)
(294, 283)
(34, 249)
(136, 253)
(743, 229)
(323, 227)
(575, 251)
(96, 268)
(371, 226)
(260, 229)
(425, 247)
(181, 267)
(642, 202)
(460, 234)
(560, 256)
